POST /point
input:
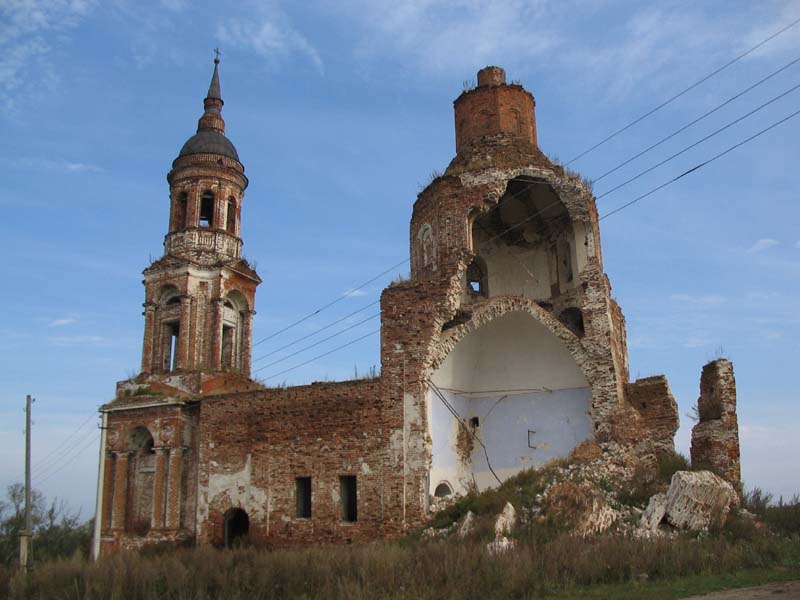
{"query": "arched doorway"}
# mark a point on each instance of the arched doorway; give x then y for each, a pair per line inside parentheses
(237, 526)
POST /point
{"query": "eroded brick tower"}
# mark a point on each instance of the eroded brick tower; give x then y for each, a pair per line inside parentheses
(199, 296)
(198, 310)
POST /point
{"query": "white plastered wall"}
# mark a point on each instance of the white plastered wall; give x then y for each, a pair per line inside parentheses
(530, 397)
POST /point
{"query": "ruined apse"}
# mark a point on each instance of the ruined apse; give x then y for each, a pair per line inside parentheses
(503, 350)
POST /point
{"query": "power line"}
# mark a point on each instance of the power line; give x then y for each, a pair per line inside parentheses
(700, 165)
(464, 425)
(641, 174)
(64, 456)
(698, 142)
(47, 458)
(330, 337)
(684, 91)
(332, 302)
(529, 218)
(274, 375)
(91, 442)
(320, 330)
(697, 120)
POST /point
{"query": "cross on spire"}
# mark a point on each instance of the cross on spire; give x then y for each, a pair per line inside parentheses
(216, 56)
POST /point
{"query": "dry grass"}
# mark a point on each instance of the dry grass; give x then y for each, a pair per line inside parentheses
(395, 570)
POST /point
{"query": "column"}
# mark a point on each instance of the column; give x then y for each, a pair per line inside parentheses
(247, 340)
(158, 488)
(192, 206)
(216, 336)
(108, 492)
(120, 501)
(147, 344)
(183, 333)
(174, 488)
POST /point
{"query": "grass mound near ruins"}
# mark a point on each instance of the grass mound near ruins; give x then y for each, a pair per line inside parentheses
(551, 557)
(561, 567)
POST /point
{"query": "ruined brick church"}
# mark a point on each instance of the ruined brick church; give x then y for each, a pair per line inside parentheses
(503, 350)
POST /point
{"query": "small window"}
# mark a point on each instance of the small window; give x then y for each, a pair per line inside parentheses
(207, 210)
(348, 492)
(230, 219)
(302, 487)
(476, 278)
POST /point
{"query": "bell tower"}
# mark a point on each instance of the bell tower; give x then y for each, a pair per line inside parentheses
(200, 295)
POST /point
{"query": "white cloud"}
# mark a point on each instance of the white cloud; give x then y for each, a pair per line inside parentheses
(62, 322)
(356, 293)
(762, 245)
(65, 166)
(698, 340)
(269, 34)
(70, 341)
(28, 31)
(709, 300)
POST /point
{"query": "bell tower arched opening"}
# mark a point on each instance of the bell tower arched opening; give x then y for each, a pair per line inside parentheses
(526, 242)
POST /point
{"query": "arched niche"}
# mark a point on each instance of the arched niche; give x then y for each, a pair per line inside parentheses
(234, 309)
(509, 395)
(141, 478)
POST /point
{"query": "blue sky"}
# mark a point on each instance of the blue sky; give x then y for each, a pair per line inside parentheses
(340, 112)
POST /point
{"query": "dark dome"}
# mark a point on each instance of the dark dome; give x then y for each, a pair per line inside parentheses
(209, 142)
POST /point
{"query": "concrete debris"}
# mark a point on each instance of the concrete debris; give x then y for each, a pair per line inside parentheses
(500, 545)
(695, 501)
(506, 520)
(654, 513)
(598, 519)
(467, 525)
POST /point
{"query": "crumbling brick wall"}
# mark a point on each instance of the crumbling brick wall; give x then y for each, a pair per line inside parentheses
(654, 401)
(715, 437)
(253, 446)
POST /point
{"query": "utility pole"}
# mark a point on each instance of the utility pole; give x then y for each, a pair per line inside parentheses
(25, 536)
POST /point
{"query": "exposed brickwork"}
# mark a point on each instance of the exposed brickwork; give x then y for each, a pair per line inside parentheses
(254, 445)
(652, 398)
(193, 440)
(715, 438)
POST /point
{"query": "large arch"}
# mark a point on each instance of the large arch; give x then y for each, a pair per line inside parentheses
(520, 384)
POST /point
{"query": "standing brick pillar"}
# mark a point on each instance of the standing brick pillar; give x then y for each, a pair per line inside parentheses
(174, 488)
(715, 437)
(147, 344)
(108, 492)
(158, 488)
(183, 333)
(216, 336)
(120, 502)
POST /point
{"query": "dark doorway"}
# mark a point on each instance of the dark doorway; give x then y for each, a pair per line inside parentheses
(237, 525)
(348, 492)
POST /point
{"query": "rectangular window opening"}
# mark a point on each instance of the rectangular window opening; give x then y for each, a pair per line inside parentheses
(172, 359)
(348, 492)
(303, 497)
